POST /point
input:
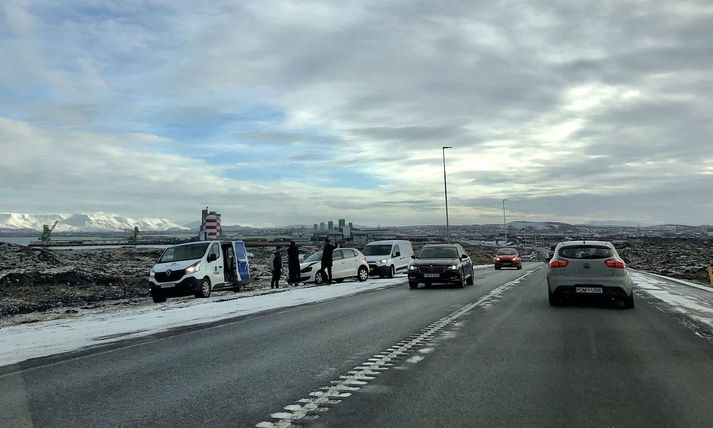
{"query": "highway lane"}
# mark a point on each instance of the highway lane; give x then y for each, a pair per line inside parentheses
(233, 373)
(521, 362)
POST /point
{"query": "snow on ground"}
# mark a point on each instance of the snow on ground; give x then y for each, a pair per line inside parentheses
(22, 342)
(684, 297)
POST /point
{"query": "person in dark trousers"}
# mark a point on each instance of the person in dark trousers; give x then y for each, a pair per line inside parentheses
(276, 268)
(327, 251)
(293, 263)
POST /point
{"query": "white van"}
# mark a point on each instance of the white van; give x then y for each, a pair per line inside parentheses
(385, 258)
(198, 268)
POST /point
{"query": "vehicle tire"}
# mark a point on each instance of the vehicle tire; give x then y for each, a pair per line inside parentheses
(519, 267)
(392, 271)
(554, 300)
(319, 278)
(497, 267)
(159, 299)
(629, 301)
(471, 279)
(412, 285)
(363, 274)
(204, 290)
(461, 283)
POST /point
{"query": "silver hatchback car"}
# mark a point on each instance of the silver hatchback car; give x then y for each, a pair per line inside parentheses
(588, 268)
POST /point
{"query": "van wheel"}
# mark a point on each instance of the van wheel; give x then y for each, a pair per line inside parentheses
(363, 274)
(159, 299)
(392, 272)
(205, 290)
(319, 278)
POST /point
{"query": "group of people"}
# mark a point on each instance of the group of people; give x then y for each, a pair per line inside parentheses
(293, 264)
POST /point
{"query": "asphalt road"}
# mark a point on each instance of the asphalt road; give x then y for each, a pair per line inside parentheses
(487, 355)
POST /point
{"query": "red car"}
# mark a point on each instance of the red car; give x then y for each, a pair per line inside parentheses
(507, 257)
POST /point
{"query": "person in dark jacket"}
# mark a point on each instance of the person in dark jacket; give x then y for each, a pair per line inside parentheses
(276, 268)
(327, 251)
(293, 263)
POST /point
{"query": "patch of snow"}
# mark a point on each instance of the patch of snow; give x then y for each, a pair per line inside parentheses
(22, 342)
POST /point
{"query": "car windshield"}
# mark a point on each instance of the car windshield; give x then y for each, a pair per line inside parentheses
(506, 252)
(377, 250)
(438, 253)
(314, 257)
(586, 252)
(184, 252)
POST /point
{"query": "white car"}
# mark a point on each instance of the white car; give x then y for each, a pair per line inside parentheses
(346, 263)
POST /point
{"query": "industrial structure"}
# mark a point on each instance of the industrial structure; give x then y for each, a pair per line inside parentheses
(210, 225)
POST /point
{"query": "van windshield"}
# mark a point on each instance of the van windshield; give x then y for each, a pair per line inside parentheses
(377, 250)
(184, 252)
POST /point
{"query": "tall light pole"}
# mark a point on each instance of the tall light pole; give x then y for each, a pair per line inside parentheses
(445, 191)
(505, 225)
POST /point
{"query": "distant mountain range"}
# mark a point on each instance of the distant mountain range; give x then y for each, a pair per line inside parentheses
(93, 222)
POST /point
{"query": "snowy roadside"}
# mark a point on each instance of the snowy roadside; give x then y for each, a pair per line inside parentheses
(21, 342)
(691, 300)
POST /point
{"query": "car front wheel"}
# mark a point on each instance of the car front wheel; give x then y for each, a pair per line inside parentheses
(363, 274)
(413, 285)
(471, 278)
(629, 301)
(159, 299)
(319, 278)
(204, 290)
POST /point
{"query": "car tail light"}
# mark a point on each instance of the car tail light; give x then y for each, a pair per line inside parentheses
(557, 263)
(614, 263)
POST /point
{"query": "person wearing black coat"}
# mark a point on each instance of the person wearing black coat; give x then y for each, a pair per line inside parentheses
(293, 263)
(276, 268)
(327, 252)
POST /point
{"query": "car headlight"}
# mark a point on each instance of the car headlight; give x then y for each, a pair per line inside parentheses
(497, 259)
(412, 267)
(152, 274)
(381, 262)
(193, 268)
(453, 267)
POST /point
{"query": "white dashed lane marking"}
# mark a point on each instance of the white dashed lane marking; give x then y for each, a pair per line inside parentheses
(319, 401)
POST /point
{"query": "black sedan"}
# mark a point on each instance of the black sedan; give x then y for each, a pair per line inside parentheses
(441, 264)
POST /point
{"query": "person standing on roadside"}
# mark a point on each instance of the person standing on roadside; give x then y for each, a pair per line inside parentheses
(327, 252)
(276, 268)
(293, 263)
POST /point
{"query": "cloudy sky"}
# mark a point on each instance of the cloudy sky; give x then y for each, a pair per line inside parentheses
(284, 112)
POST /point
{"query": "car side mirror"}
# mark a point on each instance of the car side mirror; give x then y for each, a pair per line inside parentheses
(413, 256)
(464, 256)
(212, 258)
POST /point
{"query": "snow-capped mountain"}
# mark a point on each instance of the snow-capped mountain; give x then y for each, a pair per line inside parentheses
(93, 222)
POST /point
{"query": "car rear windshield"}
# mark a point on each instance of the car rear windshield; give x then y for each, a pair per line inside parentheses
(586, 252)
(377, 250)
(507, 252)
(438, 253)
(184, 252)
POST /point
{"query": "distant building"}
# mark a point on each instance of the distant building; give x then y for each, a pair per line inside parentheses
(331, 225)
(316, 227)
(321, 226)
(342, 223)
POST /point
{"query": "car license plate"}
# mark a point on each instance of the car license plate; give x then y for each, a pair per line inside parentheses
(169, 285)
(589, 290)
(431, 275)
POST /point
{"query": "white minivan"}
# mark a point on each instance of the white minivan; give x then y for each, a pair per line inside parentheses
(198, 268)
(385, 258)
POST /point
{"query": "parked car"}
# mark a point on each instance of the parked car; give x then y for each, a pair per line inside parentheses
(346, 263)
(441, 263)
(198, 268)
(385, 258)
(588, 268)
(507, 257)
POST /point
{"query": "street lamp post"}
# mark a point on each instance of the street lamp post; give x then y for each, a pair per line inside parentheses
(505, 225)
(445, 191)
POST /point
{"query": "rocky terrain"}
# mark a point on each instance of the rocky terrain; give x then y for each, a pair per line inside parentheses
(684, 258)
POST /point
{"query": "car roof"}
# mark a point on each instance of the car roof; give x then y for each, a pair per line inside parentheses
(439, 245)
(386, 241)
